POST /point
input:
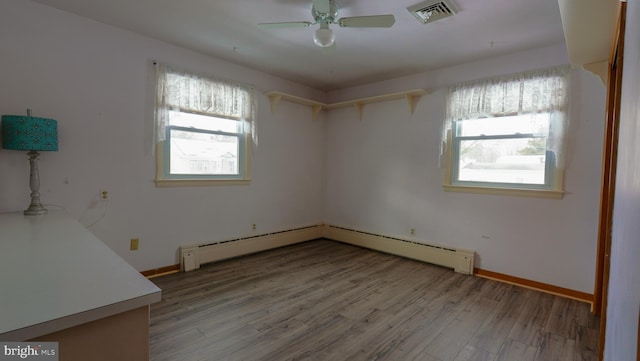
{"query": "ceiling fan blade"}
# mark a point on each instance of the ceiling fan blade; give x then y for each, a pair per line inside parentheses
(322, 6)
(373, 21)
(290, 24)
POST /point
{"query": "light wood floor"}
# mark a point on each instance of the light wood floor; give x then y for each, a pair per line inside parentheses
(323, 300)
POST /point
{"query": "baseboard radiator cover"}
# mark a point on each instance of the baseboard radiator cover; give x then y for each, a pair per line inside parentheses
(194, 255)
(461, 260)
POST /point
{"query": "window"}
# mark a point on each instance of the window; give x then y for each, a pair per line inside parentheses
(203, 129)
(506, 135)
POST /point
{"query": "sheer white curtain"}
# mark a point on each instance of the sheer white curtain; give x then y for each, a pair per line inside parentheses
(202, 94)
(538, 91)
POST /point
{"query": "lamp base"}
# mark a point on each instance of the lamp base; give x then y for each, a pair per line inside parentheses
(35, 208)
(35, 211)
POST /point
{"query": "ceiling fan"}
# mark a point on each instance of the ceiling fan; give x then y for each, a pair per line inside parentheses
(325, 12)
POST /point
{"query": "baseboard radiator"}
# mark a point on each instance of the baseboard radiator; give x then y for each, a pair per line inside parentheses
(461, 260)
(192, 256)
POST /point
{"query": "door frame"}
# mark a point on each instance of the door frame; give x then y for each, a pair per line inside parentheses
(608, 180)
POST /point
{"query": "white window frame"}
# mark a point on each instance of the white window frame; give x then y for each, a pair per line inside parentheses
(553, 186)
(236, 102)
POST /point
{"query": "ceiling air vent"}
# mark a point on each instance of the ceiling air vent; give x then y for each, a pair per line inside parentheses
(430, 11)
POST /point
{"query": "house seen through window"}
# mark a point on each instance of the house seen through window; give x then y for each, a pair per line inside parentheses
(202, 145)
(507, 150)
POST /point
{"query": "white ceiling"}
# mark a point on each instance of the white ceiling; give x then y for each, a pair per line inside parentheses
(227, 30)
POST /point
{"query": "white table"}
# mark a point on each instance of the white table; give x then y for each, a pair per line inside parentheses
(56, 275)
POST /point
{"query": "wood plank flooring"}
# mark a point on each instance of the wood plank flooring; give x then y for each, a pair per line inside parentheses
(323, 300)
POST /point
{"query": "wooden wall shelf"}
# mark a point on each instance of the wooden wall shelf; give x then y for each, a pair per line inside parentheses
(412, 97)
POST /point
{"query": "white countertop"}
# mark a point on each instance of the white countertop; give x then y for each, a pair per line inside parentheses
(55, 274)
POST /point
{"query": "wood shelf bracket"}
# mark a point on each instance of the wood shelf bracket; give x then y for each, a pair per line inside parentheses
(412, 100)
(316, 110)
(359, 107)
(274, 99)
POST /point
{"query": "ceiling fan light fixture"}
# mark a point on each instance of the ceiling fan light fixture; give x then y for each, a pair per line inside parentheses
(325, 13)
(324, 37)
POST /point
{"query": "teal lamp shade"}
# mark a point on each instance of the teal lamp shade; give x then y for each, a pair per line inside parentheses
(21, 132)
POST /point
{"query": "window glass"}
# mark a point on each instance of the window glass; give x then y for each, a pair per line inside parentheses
(502, 150)
(531, 123)
(191, 120)
(201, 153)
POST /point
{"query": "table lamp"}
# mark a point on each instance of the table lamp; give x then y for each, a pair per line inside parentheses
(31, 134)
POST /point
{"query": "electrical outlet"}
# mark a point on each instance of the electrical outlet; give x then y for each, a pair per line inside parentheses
(134, 244)
(253, 227)
(413, 231)
(104, 195)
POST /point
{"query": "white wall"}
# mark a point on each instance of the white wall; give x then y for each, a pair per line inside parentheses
(95, 80)
(379, 174)
(624, 288)
(383, 176)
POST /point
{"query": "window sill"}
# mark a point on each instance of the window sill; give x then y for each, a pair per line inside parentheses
(200, 182)
(533, 193)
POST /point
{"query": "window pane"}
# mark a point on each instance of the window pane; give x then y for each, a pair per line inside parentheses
(520, 161)
(537, 124)
(190, 120)
(202, 153)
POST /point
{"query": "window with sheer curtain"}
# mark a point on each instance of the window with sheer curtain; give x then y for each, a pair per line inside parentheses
(204, 128)
(508, 134)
